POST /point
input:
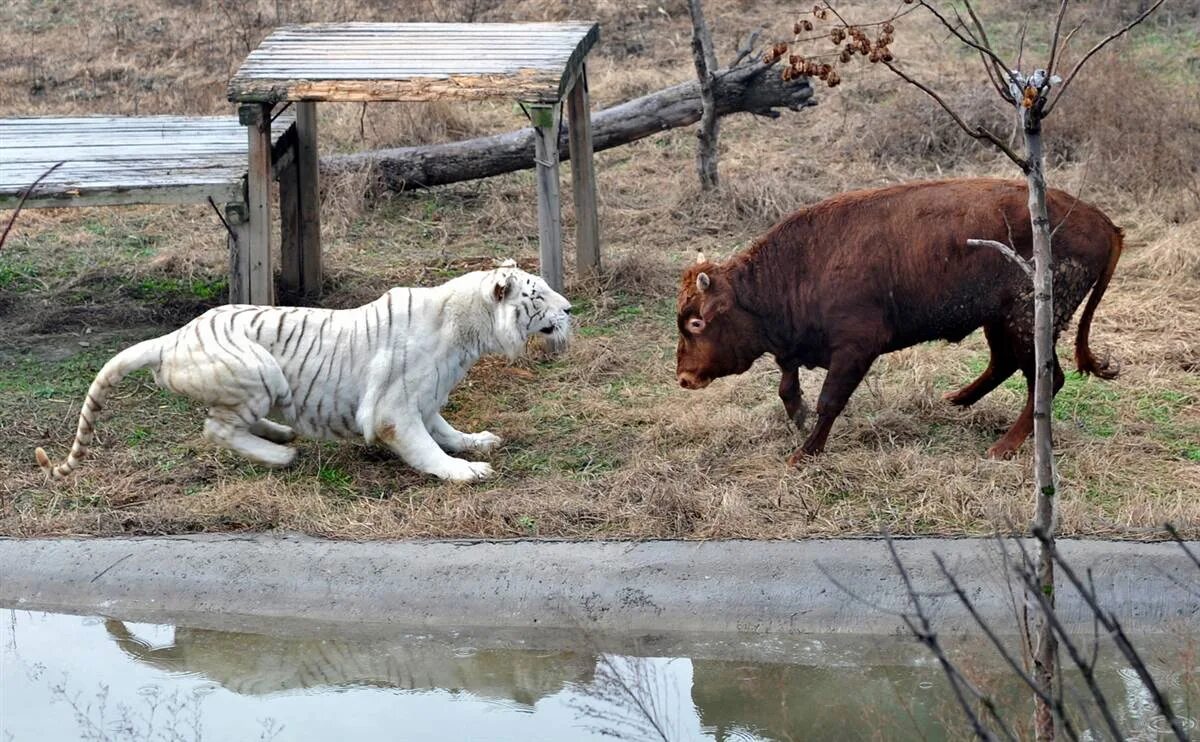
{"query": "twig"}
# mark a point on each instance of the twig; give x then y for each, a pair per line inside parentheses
(1002, 72)
(926, 635)
(1179, 540)
(1059, 711)
(1058, 19)
(1103, 43)
(1006, 251)
(1087, 670)
(978, 132)
(747, 47)
(1115, 630)
(982, 48)
(1021, 42)
(24, 195)
(855, 596)
(221, 216)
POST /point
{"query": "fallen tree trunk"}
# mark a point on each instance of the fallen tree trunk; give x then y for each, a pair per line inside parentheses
(752, 88)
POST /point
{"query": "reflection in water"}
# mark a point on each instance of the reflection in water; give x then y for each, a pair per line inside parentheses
(254, 664)
(445, 687)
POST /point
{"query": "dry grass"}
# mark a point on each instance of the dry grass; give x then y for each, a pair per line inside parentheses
(600, 443)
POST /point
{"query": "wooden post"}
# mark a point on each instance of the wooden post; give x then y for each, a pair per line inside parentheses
(290, 240)
(545, 140)
(259, 275)
(309, 199)
(239, 253)
(583, 176)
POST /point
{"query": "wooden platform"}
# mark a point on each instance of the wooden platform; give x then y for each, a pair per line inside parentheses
(414, 62)
(111, 160)
(540, 65)
(119, 160)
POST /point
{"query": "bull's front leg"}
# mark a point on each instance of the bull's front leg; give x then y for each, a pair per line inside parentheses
(792, 396)
(846, 371)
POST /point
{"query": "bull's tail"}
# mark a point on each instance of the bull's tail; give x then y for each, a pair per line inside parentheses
(1084, 360)
(131, 359)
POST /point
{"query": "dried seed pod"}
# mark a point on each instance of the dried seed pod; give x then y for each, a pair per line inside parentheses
(846, 55)
(819, 12)
(780, 49)
(806, 25)
(833, 80)
(864, 47)
(888, 27)
(796, 28)
(787, 74)
(837, 35)
(886, 54)
(884, 39)
(874, 56)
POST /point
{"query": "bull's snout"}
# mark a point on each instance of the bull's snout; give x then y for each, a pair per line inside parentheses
(689, 380)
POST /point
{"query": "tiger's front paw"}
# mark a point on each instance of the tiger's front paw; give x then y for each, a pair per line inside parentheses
(468, 471)
(483, 442)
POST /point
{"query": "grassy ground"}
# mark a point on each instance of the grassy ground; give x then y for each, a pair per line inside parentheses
(602, 442)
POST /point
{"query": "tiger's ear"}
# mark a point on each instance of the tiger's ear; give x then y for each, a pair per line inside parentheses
(504, 287)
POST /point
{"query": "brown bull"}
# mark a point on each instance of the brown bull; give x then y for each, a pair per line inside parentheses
(864, 273)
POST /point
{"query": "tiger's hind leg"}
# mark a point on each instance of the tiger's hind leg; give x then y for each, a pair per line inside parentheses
(273, 431)
(226, 427)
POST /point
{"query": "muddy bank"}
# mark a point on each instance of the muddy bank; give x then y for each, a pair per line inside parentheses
(725, 586)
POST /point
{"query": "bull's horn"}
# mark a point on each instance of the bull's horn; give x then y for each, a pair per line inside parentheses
(700, 257)
(702, 282)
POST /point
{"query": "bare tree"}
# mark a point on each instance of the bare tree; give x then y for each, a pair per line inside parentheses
(1033, 96)
(710, 124)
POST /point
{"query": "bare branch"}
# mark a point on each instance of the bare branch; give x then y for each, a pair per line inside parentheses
(1002, 72)
(981, 48)
(1178, 540)
(988, 64)
(1021, 41)
(977, 132)
(927, 636)
(1058, 19)
(1059, 711)
(1091, 52)
(1006, 251)
(747, 47)
(24, 195)
(1087, 670)
(1115, 630)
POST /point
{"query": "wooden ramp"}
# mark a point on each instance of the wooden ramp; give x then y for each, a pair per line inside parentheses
(110, 160)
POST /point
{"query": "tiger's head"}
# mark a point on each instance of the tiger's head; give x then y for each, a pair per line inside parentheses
(527, 307)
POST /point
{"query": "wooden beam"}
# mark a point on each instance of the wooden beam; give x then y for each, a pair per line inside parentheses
(289, 233)
(583, 177)
(260, 274)
(309, 199)
(545, 119)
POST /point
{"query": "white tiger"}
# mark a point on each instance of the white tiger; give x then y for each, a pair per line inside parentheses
(382, 371)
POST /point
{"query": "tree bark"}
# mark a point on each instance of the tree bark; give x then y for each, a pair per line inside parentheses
(753, 88)
(1045, 649)
(710, 125)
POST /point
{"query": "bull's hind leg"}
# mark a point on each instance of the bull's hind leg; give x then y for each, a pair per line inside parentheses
(1001, 366)
(226, 427)
(1008, 444)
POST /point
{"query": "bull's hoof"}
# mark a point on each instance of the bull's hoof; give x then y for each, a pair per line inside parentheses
(798, 458)
(1002, 451)
(958, 398)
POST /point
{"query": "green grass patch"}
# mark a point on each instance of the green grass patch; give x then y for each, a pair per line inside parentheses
(1089, 403)
(164, 288)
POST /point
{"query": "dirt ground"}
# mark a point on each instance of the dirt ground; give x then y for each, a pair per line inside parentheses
(602, 443)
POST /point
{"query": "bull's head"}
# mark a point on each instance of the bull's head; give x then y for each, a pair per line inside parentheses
(717, 336)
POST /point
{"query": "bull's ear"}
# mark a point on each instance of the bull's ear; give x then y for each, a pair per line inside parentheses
(504, 287)
(702, 281)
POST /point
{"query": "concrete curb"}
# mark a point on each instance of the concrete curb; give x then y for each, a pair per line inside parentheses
(651, 586)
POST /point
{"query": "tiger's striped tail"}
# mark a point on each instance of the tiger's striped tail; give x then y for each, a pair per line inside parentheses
(127, 361)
